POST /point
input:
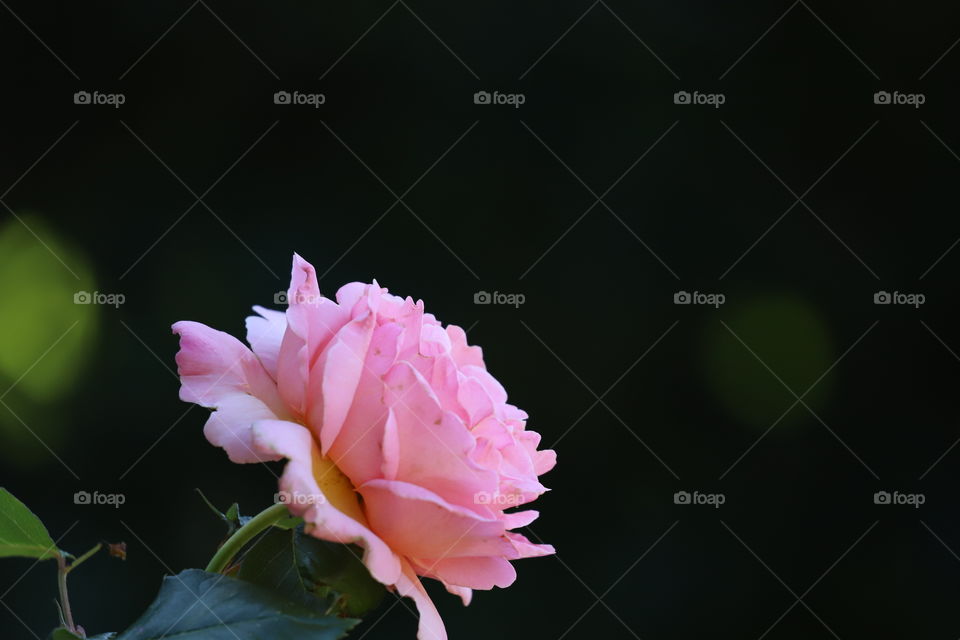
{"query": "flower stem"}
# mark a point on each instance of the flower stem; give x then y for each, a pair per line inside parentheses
(62, 587)
(258, 523)
(75, 563)
(62, 570)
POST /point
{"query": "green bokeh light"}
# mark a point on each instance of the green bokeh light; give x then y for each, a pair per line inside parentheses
(45, 338)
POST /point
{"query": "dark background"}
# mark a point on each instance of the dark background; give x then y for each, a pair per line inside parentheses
(641, 397)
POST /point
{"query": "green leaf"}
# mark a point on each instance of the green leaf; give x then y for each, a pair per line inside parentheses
(271, 563)
(197, 605)
(319, 573)
(332, 567)
(21, 533)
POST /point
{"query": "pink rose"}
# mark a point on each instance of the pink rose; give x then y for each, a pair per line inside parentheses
(369, 397)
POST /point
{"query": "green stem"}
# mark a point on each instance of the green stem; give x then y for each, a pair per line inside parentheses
(76, 563)
(64, 599)
(260, 522)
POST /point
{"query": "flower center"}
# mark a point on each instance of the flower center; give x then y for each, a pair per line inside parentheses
(336, 487)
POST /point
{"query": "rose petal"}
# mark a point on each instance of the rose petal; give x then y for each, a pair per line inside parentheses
(265, 334)
(323, 497)
(478, 572)
(474, 399)
(434, 446)
(417, 522)
(490, 384)
(430, 626)
(523, 548)
(357, 445)
(213, 364)
(230, 427)
(544, 461)
(312, 321)
(339, 368)
(519, 519)
(434, 340)
(464, 593)
(463, 354)
(217, 371)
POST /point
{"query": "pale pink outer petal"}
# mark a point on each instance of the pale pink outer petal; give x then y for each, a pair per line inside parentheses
(464, 593)
(418, 523)
(476, 572)
(519, 519)
(265, 333)
(544, 461)
(434, 341)
(296, 443)
(219, 372)
(231, 428)
(213, 364)
(523, 548)
(430, 626)
(463, 354)
(493, 387)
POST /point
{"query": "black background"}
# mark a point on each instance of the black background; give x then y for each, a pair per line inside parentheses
(598, 199)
